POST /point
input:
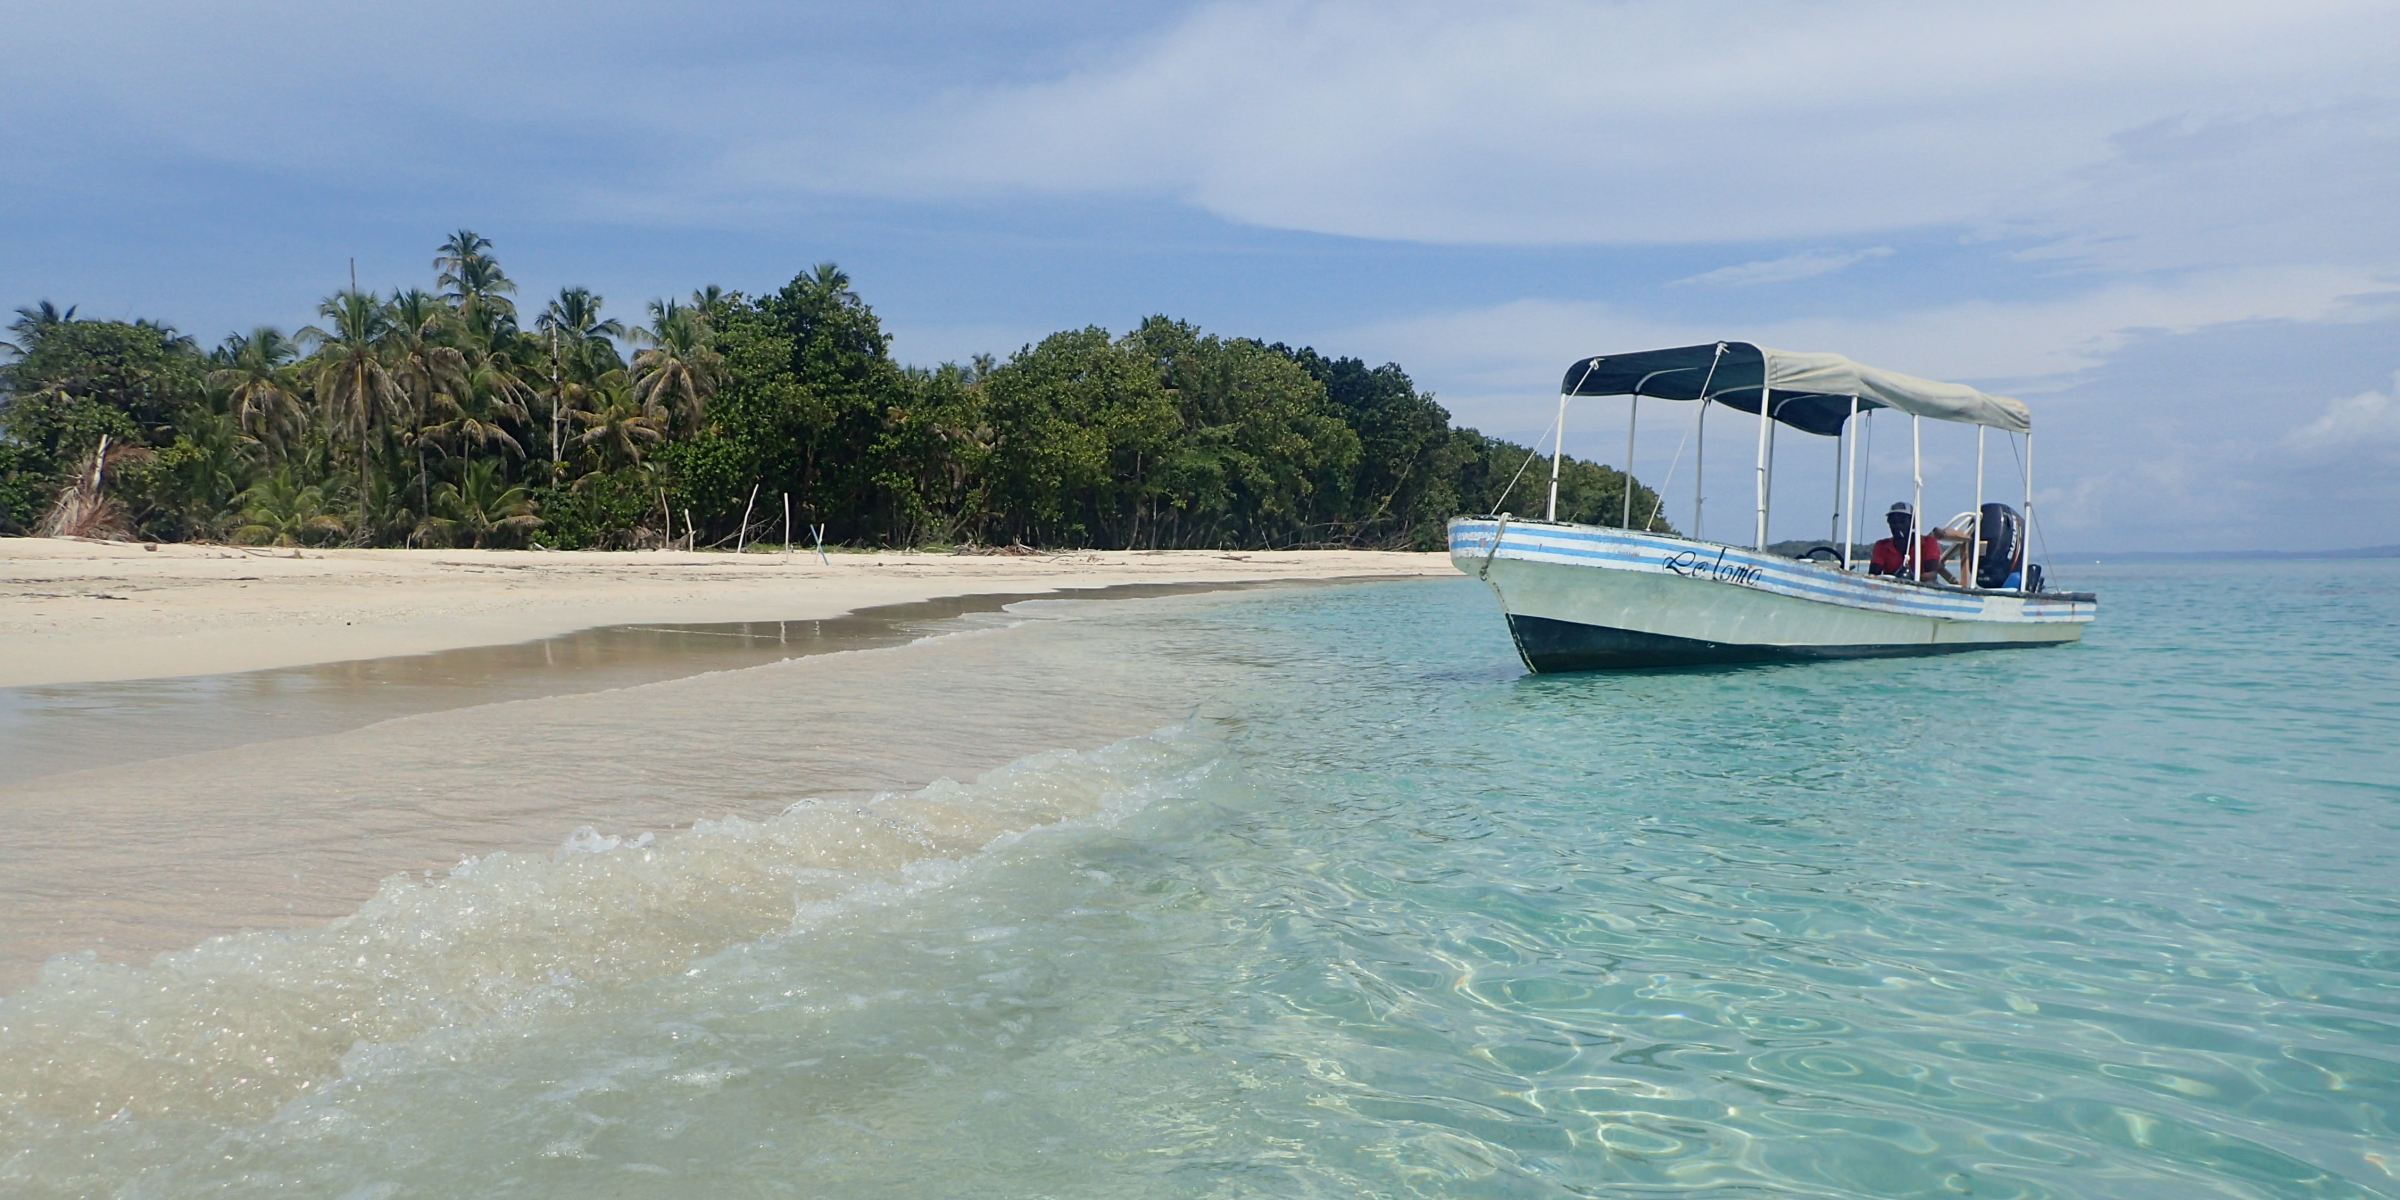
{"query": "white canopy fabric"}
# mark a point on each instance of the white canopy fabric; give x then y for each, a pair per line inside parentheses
(1834, 375)
(1817, 393)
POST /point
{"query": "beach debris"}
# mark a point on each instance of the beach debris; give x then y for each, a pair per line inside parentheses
(1012, 550)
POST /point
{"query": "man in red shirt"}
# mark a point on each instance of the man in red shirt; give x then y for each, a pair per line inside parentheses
(1891, 555)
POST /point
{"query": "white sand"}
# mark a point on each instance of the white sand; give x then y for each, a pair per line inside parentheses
(73, 611)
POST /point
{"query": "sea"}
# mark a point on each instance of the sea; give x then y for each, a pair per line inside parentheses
(1287, 892)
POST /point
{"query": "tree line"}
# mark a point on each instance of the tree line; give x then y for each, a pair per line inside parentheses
(441, 418)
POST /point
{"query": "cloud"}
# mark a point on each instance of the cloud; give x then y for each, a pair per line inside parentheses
(1516, 349)
(2175, 414)
(2228, 134)
(2367, 424)
(2183, 462)
(1805, 265)
(2280, 186)
(1545, 121)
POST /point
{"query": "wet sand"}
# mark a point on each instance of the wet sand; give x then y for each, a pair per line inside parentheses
(200, 740)
(86, 611)
(50, 729)
(131, 860)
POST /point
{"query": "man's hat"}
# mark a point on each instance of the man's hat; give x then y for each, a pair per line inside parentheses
(1902, 507)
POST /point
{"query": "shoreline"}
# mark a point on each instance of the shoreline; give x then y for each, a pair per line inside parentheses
(291, 796)
(54, 729)
(75, 611)
(309, 824)
(300, 729)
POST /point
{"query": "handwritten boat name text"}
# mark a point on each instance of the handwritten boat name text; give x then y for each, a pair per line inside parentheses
(1689, 563)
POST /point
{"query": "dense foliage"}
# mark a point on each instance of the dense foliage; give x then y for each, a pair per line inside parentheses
(438, 418)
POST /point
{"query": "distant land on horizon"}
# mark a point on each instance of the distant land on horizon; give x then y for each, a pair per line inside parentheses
(2220, 555)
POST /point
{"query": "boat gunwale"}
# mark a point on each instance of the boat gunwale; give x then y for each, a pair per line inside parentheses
(1834, 569)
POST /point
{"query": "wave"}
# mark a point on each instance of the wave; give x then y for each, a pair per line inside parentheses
(230, 1030)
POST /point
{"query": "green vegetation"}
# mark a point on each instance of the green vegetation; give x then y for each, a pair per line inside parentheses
(435, 418)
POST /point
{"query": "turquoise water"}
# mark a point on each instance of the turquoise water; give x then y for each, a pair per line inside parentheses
(1385, 916)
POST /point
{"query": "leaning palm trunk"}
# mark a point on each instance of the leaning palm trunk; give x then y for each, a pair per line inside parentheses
(83, 509)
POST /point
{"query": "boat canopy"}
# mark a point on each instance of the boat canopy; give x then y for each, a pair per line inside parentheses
(1811, 392)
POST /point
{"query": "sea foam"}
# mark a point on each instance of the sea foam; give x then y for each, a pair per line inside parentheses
(235, 1027)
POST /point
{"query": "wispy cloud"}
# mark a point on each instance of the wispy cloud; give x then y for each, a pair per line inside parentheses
(1805, 265)
(1712, 122)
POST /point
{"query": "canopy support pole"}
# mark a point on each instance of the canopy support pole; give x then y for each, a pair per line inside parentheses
(1556, 448)
(1773, 436)
(1759, 535)
(1916, 503)
(1975, 548)
(1700, 437)
(1841, 450)
(1848, 516)
(1699, 467)
(2025, 552)
(1864, 460)
(1633, 417)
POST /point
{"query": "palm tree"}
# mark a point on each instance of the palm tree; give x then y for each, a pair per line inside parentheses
(35, 320)
(482, 504)
(261, 385)
(831, 282)
(583, 337)
(474, 278)
(429, 374)
(713, 302)
(215, 464)
(616, 425)
(168, 334)
(679, 370)
(352, 375)
(491, 396)
(280, 511)
(418, 313)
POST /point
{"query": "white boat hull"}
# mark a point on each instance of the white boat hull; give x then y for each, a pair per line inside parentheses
(1583, 597)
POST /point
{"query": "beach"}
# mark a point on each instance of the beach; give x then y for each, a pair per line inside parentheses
(83, 611)
(268, 714)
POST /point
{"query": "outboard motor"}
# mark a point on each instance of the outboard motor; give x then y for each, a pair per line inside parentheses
(2003, 549)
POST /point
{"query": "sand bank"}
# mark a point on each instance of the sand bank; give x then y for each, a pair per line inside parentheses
(75, 611)
(199, 740)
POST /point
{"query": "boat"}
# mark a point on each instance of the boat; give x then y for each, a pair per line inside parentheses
(1582, 597)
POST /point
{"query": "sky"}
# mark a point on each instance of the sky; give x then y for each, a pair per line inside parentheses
(2173, 230)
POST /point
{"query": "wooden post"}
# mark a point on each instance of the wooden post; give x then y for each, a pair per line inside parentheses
(741, 537)
(787, 525)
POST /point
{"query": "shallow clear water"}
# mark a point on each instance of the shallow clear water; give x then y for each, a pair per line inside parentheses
(1385, 917)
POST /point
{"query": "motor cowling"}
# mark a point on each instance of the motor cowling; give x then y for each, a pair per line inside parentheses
(2003, 551)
